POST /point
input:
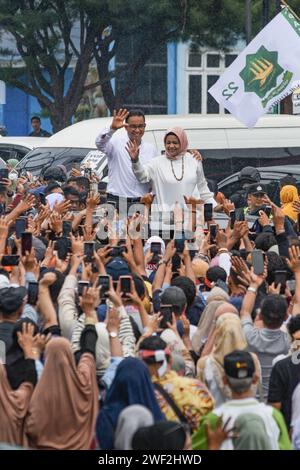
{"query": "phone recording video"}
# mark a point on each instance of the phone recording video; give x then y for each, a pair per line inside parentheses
(125, 285)
(180, 244)
(66, 228)
(166, 312)
(81, 286)
(208, 212)
(20, 226)
(103, 283)
(26, 242)
(155, 248)
(89, 248)
(232, 217)
(212, 232)
(32, 292)
(10, 260)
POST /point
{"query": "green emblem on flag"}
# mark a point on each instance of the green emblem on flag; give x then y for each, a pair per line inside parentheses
(261, 71)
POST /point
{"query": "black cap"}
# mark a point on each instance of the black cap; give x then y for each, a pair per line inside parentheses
(239, 365)
(11, 298)
(256, 189)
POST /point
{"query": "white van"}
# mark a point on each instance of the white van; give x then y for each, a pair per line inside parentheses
(18, 147)
(226, 145)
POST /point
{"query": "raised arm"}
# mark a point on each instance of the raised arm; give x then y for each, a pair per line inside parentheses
(103, 139)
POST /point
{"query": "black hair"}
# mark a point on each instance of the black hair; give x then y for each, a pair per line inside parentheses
(287, 180)
(83, 181)
(53, 173)
(188, 287)
(293, 324)
(135, 112)
(51, 185)
(70, 191)
(264, 241)
(275, 262)
(273, 310)
(152, 343)
(35, 117)
(215, 273)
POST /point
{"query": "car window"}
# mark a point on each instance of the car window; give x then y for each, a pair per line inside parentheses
(44, 157)
(221, 163)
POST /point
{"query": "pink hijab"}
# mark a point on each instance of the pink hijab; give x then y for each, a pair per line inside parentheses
(181, 136)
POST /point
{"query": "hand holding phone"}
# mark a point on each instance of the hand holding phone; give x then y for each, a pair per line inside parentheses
(26, 242)
(20, 226)
(125, 285)
(104, 285)
(166, 312)
(280, 278)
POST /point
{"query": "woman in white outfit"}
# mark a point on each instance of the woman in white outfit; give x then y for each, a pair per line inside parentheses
(175, 176)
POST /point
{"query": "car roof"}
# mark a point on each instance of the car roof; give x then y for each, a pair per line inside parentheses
(267, 172)
(26, 142)
(83, 133)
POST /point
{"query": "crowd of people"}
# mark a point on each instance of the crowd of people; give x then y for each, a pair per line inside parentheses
(130, 320)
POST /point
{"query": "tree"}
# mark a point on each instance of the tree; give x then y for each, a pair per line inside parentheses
(50, 36)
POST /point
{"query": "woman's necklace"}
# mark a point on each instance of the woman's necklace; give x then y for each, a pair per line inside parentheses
(178, 179)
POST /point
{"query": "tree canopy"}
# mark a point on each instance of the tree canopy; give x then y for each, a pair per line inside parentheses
(50, 36)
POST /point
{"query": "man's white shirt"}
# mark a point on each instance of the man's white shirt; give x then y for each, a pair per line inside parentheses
(122, 181)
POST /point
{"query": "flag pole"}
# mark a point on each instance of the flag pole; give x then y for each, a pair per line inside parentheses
(284, 4)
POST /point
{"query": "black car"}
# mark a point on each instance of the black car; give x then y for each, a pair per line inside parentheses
(270, 177)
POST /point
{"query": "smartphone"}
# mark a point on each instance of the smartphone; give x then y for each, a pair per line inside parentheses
(103, 283)
(117, 251)
(291, 285)
(257, 258)
(166, 312)
(26, 242)
(155, 248)
(42, 199)
(20, 226)
(213, 232)
(179, 244)
(89, 248)
(280, 278)
(3, 173)
(232, 219)
(208, 212)
(268, 210)
(32, 292)
(176, 263)
(66, 228)
(125, 285)
(81, 287)
(10, 260)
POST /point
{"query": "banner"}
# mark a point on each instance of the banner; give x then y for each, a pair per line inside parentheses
(264, 73)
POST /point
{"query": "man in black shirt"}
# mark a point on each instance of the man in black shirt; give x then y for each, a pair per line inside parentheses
(285, 375)
(37, 130)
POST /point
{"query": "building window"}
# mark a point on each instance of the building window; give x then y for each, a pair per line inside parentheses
(213, 61)
(229, 58)
(203, 70)
(150, 91)
(195, 93)
(212, 105)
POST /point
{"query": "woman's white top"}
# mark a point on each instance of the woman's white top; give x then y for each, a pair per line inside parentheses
(166, 188)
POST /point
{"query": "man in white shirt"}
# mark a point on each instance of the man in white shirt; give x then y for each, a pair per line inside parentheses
(123, 187)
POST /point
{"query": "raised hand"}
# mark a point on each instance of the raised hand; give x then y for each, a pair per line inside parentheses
(119, 119)
(133, 150)
(196, 154)
(294, 261)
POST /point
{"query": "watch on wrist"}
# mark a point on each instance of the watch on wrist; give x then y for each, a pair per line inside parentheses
(252, 289)
(162, 261)
(113, 334)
